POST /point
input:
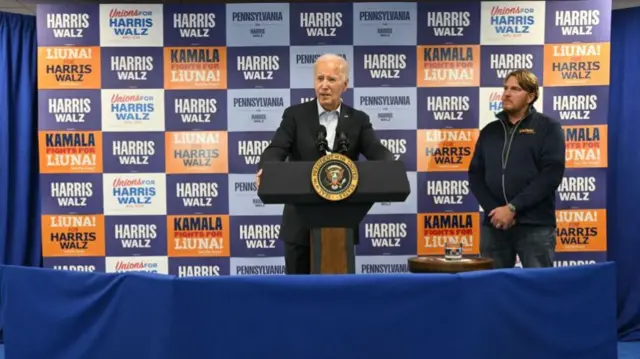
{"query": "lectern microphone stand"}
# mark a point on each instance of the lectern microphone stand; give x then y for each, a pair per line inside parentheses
(331, 196)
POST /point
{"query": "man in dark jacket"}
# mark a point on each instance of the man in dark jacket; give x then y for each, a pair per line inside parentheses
(295, 139)
(517, 166)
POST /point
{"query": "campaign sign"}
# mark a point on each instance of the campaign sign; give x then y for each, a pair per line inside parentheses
(131, 110)
(195, 110)
(445, 192)
(382, 264)
(256, 110)
(435, 229)
(68, 25)
(75, 264)
(498, 61)
(321, 24)
(257, 266)
(256, 236)
(132, 67)
(245, 149)
(131, 25)
(243, 193)
(198, 236)
(71, 193)
(388, 108)
(454, 23)
(448, 66)
(384, 66)
(305, 95)
(196, 152)
(448, 107)
(77, 110)
(136, 235)
(586, 146)
(571, 259)
(197, 194)
(581, 230)
(70, 152)
(68, 67)
(577, 105)
(137, 264)
(582, 188)
(133, 194)
(133, 152)
(388, 234)
(80, 235)
(303, 59)
(195, 68)
(512, 22)
(258, 67)
(257, 24)
(578, 21)
(577, 64)
(402, 143)
(199, 267)
(384, 24)
(446, 150)
(194, 25)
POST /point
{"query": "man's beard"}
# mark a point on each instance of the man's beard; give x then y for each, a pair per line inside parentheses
(517, 113)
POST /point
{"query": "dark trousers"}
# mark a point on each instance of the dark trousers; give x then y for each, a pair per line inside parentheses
(535, 245)
(297, 258)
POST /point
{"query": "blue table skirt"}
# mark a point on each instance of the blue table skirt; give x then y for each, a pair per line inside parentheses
(555, 313)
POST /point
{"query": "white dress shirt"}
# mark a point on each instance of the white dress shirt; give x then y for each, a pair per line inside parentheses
(330, 120)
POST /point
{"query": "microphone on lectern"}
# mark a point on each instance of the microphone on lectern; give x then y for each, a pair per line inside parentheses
(321, 141)
(343, 143)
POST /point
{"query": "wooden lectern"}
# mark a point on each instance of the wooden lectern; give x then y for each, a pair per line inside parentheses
(333, 222)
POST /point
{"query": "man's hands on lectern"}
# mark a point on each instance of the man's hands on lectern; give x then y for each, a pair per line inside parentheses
(258, 177)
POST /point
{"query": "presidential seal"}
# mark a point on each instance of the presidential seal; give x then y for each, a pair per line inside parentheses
(334, 177)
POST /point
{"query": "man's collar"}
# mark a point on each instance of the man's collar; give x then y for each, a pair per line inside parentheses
(322, 110)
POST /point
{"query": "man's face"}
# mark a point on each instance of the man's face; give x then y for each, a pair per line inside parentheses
(329, 84)
(514, 98)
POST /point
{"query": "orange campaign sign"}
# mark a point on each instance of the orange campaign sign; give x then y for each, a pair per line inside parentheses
(435, 229)
(446, 149)
(69, 67)
(577, 64)
(198, 236)
(70, 152)
(197, 152)
(581, 230)
(586, 146)
(195, 68)
(448, 66)
(73, 235)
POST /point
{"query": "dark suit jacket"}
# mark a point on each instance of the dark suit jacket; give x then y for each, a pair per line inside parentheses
(296, 139)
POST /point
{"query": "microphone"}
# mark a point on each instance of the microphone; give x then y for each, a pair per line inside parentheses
(343, 143)
(321, 141)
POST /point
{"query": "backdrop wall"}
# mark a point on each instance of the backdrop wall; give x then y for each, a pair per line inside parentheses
(152, 118)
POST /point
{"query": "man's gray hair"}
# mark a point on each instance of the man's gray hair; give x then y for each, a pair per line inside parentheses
(343, 65)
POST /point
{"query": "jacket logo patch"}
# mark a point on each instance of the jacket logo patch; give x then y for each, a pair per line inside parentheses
(528, 131)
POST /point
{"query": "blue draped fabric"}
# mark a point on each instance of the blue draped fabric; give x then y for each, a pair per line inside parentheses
(623, 192)
(543, 313)
(19, 194)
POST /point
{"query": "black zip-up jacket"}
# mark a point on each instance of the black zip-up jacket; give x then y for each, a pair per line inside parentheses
(521, 165)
